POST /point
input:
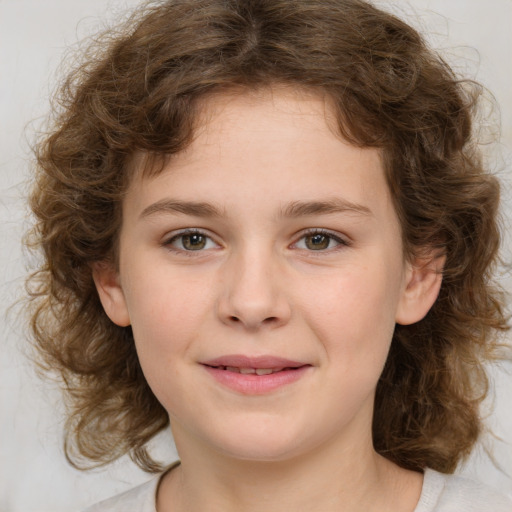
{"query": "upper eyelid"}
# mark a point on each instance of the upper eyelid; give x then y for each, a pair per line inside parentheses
(343, 239)
(327, 232)
(188, 231)
(173, 235)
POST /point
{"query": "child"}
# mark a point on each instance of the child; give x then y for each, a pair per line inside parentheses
(266, 223)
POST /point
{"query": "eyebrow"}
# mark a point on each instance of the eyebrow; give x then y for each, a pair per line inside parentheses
(334, 205)
(292, 210)
(195, 209)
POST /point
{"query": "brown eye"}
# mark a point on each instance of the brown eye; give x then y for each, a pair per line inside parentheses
(317, 242)
(320, 240)
(193, 242)
(190, 241)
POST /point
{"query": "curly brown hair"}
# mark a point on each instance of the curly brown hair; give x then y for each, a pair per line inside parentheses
(138, 90)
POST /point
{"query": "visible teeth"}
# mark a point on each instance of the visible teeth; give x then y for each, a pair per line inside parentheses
(264, 371)
(247, 370)
(252, 371)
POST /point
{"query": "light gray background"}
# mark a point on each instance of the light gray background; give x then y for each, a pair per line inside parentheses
(475, 35)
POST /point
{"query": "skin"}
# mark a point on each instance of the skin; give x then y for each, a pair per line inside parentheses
(256, 284)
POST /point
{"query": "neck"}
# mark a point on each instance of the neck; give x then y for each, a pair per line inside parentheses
(331, 478)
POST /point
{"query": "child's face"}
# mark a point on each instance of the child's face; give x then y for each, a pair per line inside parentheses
(295, 254)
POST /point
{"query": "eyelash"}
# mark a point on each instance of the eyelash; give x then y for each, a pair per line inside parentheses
(189, 232)
(323, 232)
(309, 233)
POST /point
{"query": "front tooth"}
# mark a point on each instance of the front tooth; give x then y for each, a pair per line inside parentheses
(264, 371)
(233, 369)
(247, 370)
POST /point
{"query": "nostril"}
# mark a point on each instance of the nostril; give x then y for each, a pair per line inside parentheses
(234, 319)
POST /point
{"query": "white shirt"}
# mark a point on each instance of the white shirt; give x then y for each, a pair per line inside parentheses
(440, 493)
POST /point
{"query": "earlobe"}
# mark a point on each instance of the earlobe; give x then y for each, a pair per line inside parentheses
(421, 288)
(106, 279)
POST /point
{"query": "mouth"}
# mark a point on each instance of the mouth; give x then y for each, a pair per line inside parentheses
(255, 371)
(259, 365)
(255, 375)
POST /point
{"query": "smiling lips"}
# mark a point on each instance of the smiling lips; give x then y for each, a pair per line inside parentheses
(255, 375)
(252, 371)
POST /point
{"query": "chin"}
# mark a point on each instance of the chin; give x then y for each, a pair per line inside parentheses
(261, 453)
(261, 444)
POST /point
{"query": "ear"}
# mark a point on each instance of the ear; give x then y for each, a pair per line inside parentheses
(106, 279)
(422, 284)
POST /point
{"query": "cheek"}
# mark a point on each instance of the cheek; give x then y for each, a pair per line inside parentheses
(165, 329)
(165, 313)
(353, 313)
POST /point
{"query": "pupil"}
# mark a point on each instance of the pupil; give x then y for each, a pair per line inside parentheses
(194, 242)
(317, 242)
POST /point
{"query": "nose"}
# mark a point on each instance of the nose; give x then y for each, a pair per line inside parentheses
(252, 296)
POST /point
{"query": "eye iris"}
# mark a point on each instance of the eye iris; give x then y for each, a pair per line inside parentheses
(194, 242)
(317, 242)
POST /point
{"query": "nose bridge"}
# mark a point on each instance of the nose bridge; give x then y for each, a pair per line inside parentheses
(252, 294)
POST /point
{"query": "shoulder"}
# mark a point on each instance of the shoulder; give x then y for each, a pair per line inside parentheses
(451, 493)
(139, 499)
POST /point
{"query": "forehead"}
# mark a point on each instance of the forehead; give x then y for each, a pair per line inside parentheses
(217, 116)
(264, 107)
(282, 140)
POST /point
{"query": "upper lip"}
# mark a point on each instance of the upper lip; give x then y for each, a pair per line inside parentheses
(241, 361)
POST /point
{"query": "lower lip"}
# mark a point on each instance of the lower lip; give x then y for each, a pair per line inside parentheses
(252, 384)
